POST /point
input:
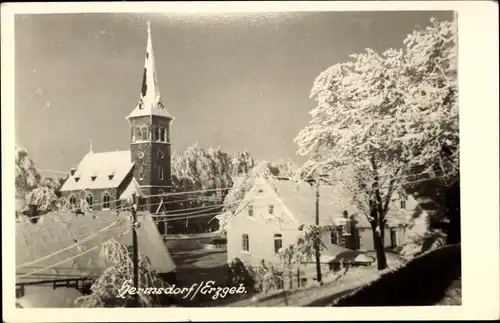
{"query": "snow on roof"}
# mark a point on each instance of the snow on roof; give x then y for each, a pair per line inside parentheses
(100, 165)
(58, 230)
(300, 199)
(132, 188)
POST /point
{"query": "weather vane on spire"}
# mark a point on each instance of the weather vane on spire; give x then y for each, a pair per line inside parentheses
(90, 145)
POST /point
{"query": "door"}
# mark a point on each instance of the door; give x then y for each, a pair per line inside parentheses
(393, 238)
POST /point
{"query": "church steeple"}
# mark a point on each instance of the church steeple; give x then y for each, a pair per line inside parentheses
(150, 103)
(150, 147)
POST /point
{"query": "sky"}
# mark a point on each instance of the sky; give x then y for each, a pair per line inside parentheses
(237, 82)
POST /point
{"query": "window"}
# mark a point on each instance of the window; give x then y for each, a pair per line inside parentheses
(250, 210)
(141, 173)
(245, 242)
(333, 237)
(106, 200)
(162, 134)
(347, 227)
(155, 133)
(161, 155)
(271, 209)
(158, 134)
(72, 200)
(403, 203)
(89, 199)
(138, 135)
(132, 134)
(160, 172)
(278, 242)
(144, 133)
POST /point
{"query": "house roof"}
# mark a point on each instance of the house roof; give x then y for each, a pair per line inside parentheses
(300, 199)
(100, 165)
(56, 231)
(44, 296)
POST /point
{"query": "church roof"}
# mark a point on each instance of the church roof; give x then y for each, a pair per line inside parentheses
(150, 101)
(100, 170)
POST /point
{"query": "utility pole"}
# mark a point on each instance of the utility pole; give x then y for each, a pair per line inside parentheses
(135, 249)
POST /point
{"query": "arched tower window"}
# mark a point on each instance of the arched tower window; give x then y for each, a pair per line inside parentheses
(160, 172)
(162, 134)
(158, 135)
(132, 134)
(155, 134)
(144, 133)
(138, 134)
(106, 198)
(161, 155)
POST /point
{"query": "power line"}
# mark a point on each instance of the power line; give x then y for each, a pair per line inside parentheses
(71, 258)
(29, 263)
(69, 238)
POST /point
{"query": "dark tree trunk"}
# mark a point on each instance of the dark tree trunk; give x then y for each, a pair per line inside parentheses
(379, 248)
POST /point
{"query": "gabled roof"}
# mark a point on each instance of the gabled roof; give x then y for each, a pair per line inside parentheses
(101, 166)
(150, 101)
(58, 230)
(300, 199)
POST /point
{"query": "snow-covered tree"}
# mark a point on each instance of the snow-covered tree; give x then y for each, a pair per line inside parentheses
(119, 270)
(391, 117)
(27, 177)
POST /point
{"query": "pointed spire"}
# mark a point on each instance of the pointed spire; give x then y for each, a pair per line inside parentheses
(150, 100)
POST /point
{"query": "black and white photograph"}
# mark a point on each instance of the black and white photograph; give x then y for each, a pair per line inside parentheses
(239, 159)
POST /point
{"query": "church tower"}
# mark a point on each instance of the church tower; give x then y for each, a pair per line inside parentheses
(150, 135)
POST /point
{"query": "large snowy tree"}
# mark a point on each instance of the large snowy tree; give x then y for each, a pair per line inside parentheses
(392, 118)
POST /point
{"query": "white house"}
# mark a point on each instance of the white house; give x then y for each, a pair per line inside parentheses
(272, 211)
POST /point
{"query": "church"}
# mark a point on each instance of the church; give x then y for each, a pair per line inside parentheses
(104, 179)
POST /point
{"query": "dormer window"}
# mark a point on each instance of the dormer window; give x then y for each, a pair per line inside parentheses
(93, 177)
(402, 203)
(271, 209)
(77, 178)
(110, 176)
